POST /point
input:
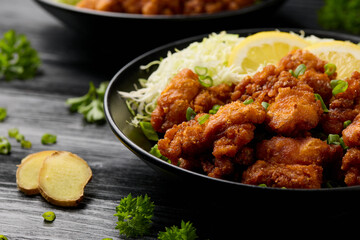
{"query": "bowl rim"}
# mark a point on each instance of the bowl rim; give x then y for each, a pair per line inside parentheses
(177, 170)
(205, 16)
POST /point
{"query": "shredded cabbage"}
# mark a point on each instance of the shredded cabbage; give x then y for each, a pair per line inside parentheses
(212, 52)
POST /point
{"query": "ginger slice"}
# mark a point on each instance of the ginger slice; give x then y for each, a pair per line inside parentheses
(27, 174)
(63, 177)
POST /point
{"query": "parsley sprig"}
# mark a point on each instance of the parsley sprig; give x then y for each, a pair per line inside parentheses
(17, 58)
(185, 232)
(91, 104)
(134, 215)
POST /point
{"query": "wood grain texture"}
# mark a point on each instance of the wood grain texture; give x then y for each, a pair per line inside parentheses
(37, 106)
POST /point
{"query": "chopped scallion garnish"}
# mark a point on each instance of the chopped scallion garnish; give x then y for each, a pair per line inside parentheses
(248, 101)
(214, 109)
(190, 113)
(156, 152)
(318, 97)
(149, 131)
(202, 119)
(330, 69)
(3, 114)
(347, 123)
(338, 86)
(25, 144)
(5, 147)
(201, 71)
(300, 70)
(48, 139)
(206, 81)
(49, 216)
(265, 105)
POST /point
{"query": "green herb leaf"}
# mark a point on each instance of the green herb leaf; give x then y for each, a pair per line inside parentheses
(149, 131)
(91, 104)
(49, 216)
(338, 86)
(134, 215)
(318, 97)
(190, 113)
(17, 58)
(48, 139)
(3, 114)
(185, 232)
(156, 152)
(5, 146)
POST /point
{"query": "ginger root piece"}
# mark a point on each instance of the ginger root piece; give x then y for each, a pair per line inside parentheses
(27, 174)
(63, 177)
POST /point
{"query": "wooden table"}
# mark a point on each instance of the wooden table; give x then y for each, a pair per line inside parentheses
(37, 106)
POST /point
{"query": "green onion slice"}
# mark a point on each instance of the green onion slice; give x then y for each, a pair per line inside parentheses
(149, 131)
(48, 138)
(333, 139)
(203, 118)
(300, 70)
(190, 113)
(13, 132)
(25, 144)
(338, 86)
(330, 69)
(265, 105)
(201, 71)
(347, 123)
(49, 216)
(214, 109)
(248, 101)
(206, 81)
(5, 146)
(3, 114)
(318, 97)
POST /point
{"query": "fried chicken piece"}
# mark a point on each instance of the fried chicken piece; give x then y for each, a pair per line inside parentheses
(343, 106)
(264, 85)
(224, 134)
(303, 151)
(283, 175)
(184, 91)
(174, 100)
(351, 166)
(351, 134)
(293, 112)
(215, 95)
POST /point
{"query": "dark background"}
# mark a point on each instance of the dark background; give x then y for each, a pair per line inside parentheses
(70, 60)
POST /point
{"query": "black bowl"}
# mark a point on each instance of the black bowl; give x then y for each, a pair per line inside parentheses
(141, 33)
(117, 115)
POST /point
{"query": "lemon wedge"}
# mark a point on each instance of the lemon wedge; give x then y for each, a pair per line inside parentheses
(345, 55)
(264, 48)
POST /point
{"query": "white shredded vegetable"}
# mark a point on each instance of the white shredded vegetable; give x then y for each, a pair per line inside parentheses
(212, 52)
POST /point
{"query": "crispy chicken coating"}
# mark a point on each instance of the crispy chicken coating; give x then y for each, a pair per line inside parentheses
(285, 150)
(351, 167)
(283, 175)
(351, 134)
(293, 112)
(166, 7)
(184, 91)
(224, 134)
(343, 106)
